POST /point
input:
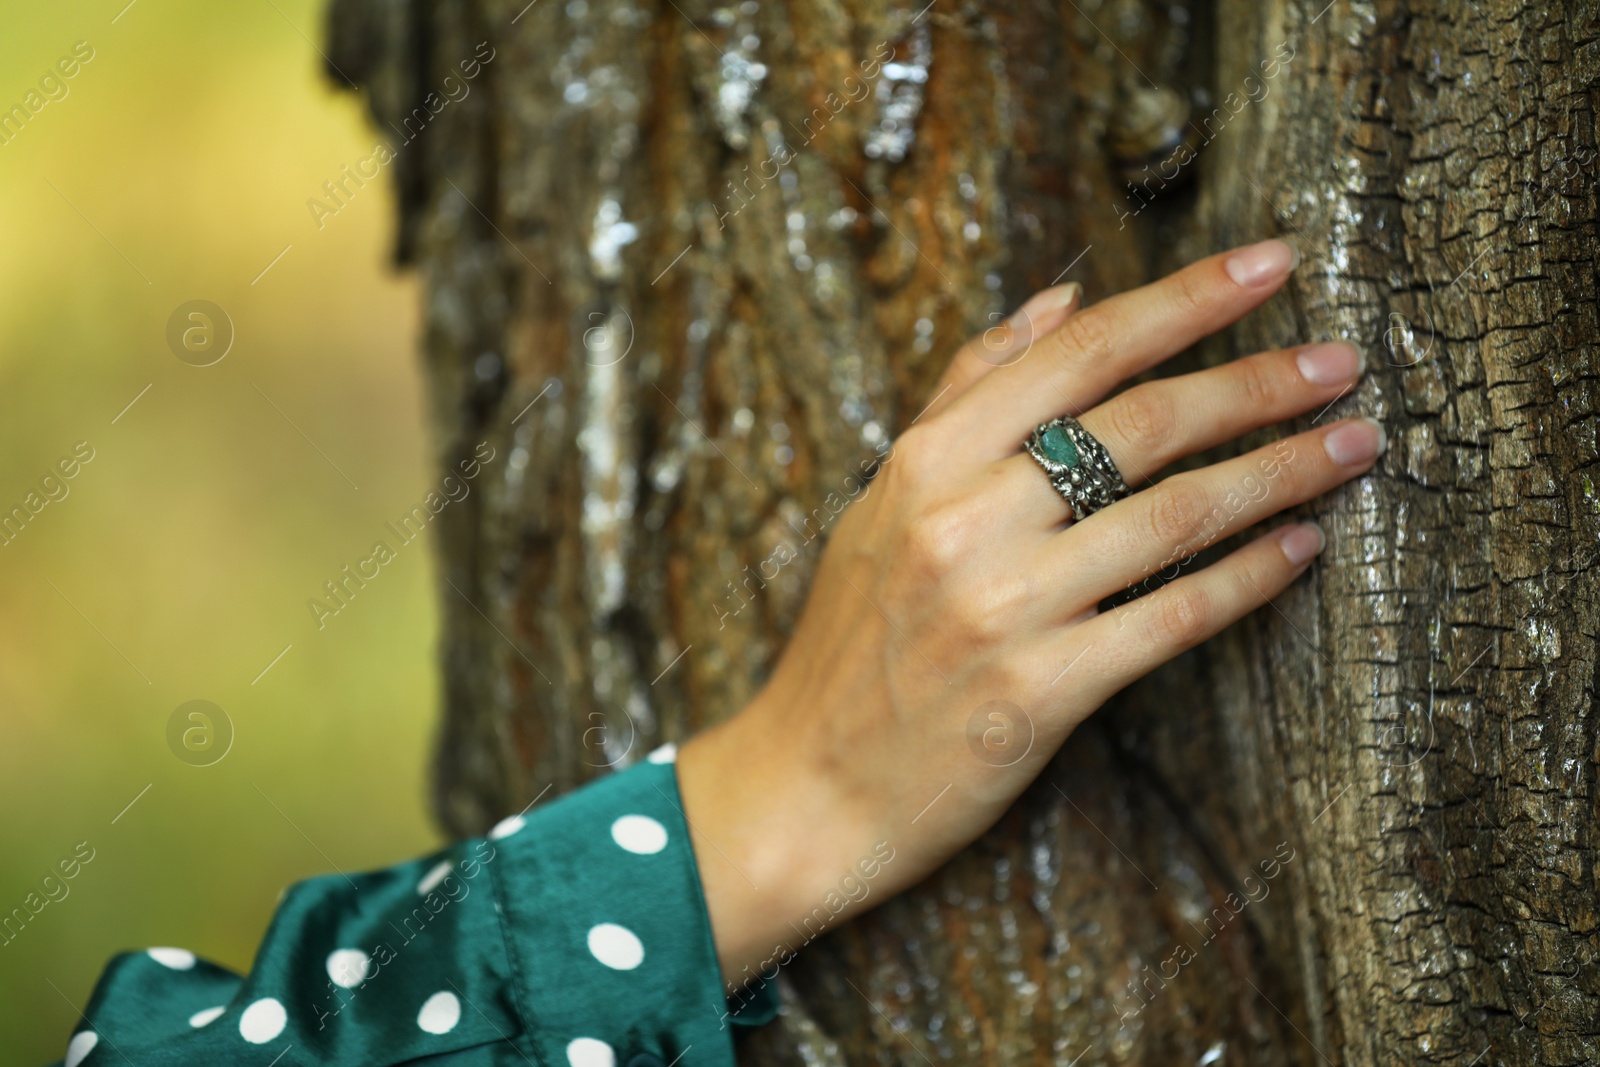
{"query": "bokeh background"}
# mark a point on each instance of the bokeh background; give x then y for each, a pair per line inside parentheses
(178, 566)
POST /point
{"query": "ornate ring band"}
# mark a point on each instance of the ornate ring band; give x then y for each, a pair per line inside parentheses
(1079, 466)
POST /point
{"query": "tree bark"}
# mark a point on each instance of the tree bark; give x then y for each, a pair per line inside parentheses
(687, 265)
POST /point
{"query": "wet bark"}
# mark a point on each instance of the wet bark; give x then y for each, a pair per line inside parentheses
(688, 264)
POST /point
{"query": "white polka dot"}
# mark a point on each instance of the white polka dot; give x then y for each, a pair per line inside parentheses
(179, 959)
(206, 1016)
(82, 1043)
(507, 826)
(262, 1021)
(348, 967)
(440, 1013)
(667, 753)
(590, 1052)
(639, 833)
(616, 946)
(431, 880)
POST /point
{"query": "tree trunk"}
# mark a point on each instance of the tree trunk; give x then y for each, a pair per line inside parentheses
(688, 264)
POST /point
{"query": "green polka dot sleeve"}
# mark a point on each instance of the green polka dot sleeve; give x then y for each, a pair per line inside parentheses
(573, 935)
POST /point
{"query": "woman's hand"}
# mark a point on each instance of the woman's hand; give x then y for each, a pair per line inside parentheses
(952, 641)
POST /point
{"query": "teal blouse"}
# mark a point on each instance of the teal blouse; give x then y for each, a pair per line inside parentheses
(573, 935)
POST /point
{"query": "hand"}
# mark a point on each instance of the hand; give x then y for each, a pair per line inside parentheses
(958, 579)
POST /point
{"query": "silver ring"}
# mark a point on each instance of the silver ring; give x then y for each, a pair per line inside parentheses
(1079, 466)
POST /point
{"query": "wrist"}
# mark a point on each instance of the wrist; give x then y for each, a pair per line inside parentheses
(783, 853)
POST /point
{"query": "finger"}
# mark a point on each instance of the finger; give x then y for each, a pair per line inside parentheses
(1160, 528)
(1005, 343)
(1157, 422)
(1150, 425)
(1103, 345)
(1111, 649)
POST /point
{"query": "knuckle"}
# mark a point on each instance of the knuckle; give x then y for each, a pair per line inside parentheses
(1256, 577)
(1142, 421)
(1087, 338)
(1016, 674)
(1184, 616)
(916, 458)
(1257, 385)
(937, 539)
(1178, 513)
(984, 625)
(1254, 489)
(1288, 474)
(1189, 293)
(997, 605)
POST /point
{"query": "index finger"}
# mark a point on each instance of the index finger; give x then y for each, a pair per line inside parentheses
(1005, 343)
(1101, 346)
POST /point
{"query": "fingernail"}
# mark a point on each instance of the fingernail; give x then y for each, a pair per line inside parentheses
(1302, 542)
(1045, 311)
(1256, 265)
(1329, 364)
(1062, 296)
(1356, 442)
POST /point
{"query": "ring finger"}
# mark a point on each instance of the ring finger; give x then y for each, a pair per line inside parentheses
(1157, 422)
(1165, 525)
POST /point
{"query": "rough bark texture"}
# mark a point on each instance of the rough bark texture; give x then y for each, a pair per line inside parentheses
(1413, 723)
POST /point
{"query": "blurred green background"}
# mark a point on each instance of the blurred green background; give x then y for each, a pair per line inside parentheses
(178, 566)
